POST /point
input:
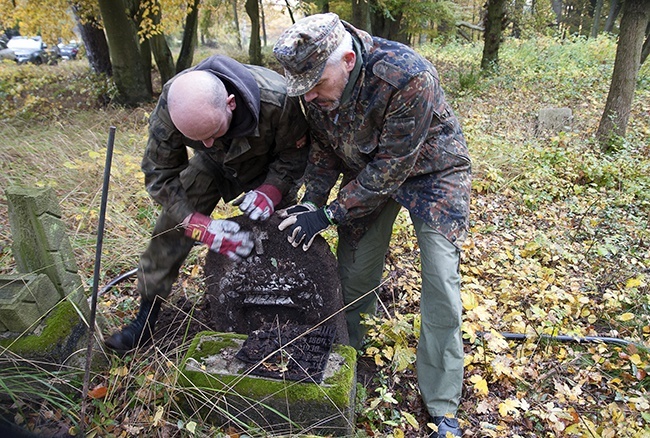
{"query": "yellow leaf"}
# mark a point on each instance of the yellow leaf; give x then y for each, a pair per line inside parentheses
(191, 426)
(398, 433)
(470, 301)
(508, 406)
(480, 384)
(119, 371)
(158, 416)
(626, 317)
(635, 359)
(634, 282)
(411, 420)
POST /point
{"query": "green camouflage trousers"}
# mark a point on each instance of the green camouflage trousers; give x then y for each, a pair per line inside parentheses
(440, 348)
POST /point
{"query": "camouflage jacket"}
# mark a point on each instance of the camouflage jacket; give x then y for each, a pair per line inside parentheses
(396, 137)
(266, 153)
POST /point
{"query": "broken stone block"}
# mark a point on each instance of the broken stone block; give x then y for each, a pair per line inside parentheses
(40, 243)
(219, 385)
(276, 284)
(24, 299)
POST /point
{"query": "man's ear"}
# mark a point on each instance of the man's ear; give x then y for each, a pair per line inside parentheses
(230, 102)
(349, 58)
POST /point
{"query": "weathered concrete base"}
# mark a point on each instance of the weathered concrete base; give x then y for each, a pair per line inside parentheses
(216, 384)
(60, 338)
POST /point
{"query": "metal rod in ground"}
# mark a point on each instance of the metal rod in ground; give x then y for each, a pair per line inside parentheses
(98, 258)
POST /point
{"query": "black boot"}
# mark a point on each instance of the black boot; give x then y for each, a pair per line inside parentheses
(138, 332)
(446, 424)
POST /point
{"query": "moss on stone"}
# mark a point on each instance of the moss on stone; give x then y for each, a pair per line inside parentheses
(335, 389)
(58, 324)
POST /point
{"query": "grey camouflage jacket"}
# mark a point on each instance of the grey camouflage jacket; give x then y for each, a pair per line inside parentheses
(396, 137)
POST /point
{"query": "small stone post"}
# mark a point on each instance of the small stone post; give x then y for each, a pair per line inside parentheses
(40, 244)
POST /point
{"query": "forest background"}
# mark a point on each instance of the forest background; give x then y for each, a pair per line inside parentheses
(559, 241)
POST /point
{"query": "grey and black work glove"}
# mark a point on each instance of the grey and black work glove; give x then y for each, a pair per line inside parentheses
(304, 227)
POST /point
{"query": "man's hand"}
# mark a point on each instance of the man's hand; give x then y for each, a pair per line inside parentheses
(221, 236)
(304, 227)
(259, 204)
(297, 209)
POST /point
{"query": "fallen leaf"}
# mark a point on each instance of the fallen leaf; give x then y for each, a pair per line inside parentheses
(98, 391)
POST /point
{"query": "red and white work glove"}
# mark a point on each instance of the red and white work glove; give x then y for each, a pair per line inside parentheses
(259, 204)
(221, 236)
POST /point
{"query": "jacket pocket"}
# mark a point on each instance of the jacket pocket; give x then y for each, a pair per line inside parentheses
(366, 139)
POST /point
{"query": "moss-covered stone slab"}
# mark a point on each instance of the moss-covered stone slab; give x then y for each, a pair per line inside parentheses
(217, 384)
(24, 299)
(61, 337)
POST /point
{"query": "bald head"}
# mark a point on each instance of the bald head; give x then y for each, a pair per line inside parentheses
(200, 106)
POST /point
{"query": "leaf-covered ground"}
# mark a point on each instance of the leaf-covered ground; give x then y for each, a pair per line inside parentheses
(558, 245)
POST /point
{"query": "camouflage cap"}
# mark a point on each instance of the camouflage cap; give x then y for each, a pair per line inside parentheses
(303, 50)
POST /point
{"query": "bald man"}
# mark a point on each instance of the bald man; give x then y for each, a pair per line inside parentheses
(248, 138)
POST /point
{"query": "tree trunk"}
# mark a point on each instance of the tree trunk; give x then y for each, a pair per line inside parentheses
(324, 6)
(236, 20)
(161, 52)
(626, 68)
(361, 15)
(557, 8)
(646, 45)
(190, 37)
(385, 27)
(263, 23)
(128, 72)
(254, 47)
(145, 55)
(163, 56)
(596, 22)
(614, 9)
(492, 34)
(94, 40)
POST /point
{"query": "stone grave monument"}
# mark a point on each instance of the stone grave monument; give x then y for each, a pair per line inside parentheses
(281, 342)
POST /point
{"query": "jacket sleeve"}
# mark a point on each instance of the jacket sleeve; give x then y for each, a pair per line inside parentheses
(165, 157)
(291, 147)
(404, 129)
(323, 170)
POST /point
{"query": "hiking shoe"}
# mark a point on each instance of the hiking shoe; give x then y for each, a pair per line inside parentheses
(446, 425)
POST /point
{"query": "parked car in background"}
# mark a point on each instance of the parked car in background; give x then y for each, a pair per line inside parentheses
(5, 52)
(69, 51)
(31, 49)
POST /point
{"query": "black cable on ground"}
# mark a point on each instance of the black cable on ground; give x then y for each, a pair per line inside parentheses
(120, 278)
(566, 338)
(506, 335)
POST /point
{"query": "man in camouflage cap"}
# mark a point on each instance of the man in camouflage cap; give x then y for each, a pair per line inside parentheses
(248, 137)
(378, 116)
